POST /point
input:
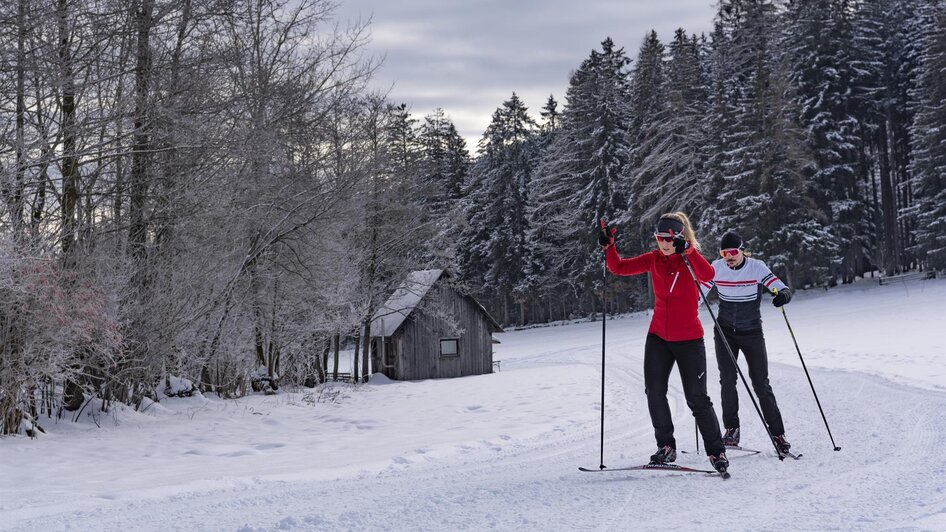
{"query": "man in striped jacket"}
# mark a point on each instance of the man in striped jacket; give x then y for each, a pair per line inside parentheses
(739, 282)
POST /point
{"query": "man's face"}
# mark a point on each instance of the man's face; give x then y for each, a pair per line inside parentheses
(732, 256)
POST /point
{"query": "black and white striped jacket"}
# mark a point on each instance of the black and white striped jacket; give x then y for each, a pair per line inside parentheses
(740, 293)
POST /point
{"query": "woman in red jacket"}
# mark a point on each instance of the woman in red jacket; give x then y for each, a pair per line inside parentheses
(675, 335)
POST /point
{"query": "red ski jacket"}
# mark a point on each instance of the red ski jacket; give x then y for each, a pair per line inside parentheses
(675, 294)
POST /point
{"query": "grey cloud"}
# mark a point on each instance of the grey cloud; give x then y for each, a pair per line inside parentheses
(468, 56)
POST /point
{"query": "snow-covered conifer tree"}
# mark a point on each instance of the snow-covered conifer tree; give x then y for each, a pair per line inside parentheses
(764, 194)
(668, 175)
(578, 179)
(928, 154)
(817, 42)
(492, 248)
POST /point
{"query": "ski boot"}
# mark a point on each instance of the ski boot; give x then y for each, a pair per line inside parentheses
(720, 463)
(782, 444)
(664, 455)
(731, 438)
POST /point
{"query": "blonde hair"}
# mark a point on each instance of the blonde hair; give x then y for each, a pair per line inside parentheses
(687, 227)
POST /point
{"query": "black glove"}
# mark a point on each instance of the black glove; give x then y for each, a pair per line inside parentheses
(605, 235)
(680, 244)
(782, 298)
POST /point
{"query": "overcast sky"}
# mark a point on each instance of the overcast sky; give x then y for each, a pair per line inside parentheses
(468, 56)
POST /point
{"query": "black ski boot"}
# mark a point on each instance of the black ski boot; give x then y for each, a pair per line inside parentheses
(664, 455)
(731, 437)
(720, 463)
(782, 444)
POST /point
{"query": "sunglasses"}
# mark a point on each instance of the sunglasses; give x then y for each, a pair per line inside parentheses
(731, 252)
(664, 237)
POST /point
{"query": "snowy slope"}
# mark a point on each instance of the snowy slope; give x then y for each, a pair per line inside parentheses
(501, 451)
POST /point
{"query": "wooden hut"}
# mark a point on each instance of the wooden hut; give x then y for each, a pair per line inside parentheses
(429, 330)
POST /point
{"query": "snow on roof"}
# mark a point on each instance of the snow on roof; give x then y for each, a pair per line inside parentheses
(403, 301)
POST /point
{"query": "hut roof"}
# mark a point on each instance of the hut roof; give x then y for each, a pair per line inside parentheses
(407, 296)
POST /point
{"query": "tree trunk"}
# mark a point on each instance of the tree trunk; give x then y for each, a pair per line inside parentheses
(39, 199)
(321, 362)
(877, 216)
(273, 348)
(354, 369)
(70, 160)
(888, 202)
(366, 338)
(328, 347)
(16, 207)
(338, 341)
(138, 185)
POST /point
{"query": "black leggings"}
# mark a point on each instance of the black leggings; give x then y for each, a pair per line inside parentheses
(690, 357)
(752, 343)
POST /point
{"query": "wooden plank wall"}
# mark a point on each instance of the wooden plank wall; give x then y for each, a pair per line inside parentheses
(418, 340)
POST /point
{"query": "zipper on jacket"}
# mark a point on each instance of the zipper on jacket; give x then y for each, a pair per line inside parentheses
(674, 283)
(667, 309)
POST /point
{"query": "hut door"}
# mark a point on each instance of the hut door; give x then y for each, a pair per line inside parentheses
(383, 356)
(388, 353)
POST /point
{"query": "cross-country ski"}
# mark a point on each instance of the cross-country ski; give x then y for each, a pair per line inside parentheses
(655, 467)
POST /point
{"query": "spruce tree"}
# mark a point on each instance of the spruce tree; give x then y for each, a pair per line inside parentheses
(493, 247)
(578, 180)
(445, 162)
(765, 197)
(817, 41)
(885, 49)
(928, 164)
(401, 139)
(550, 115)
(669, 173)
(647, 110)
(456, 163)
(442, 170)
(719, 128)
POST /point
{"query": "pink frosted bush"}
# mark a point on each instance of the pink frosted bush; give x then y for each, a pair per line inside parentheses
(54, 325)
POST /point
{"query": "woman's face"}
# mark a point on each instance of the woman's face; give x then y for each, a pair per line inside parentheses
(664, 243)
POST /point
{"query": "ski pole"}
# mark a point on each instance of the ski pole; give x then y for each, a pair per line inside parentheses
(604, 321)
(791, 332)
(732, 356)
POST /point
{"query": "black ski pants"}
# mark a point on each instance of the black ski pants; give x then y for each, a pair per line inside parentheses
(690, 357)
(752, 343)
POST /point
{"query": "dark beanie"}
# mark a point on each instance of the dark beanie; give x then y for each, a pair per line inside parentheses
(730, 240)
(666, 225)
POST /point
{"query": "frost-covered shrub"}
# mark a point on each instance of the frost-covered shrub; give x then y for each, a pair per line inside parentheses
(56, 331)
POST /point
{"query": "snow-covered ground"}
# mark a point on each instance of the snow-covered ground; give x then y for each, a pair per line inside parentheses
(501, 451)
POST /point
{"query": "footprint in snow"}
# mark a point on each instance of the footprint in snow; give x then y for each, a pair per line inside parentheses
(237, 454)
(265, 446)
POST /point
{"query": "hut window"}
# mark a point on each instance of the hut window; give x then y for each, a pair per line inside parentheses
(449, 347)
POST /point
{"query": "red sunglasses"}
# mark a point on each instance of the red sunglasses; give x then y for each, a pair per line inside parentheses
(731, 252)
(664, 237)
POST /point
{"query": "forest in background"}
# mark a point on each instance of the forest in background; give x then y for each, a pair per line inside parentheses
(210, 189)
